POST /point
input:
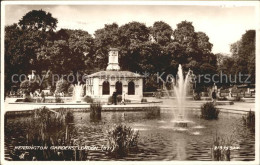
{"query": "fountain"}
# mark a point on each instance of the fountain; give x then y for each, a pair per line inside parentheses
(77, 93)
(180, 91)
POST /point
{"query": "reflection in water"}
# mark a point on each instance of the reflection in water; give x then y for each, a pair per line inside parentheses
(158, 140)
(181, 151)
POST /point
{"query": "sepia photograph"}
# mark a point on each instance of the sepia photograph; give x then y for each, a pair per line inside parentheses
(129, 81)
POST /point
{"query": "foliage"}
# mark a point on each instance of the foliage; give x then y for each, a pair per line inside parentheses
(27, 99)
(88, 99)
(62, 86)
(119, 98)
(29, 86)
(95, 111)
(71, 88)
(48, 128)
(121, 140)
(249, 120)
(242, 59)
(221, 150)
(33, 44)
(105, 38)
(158, 94)
(38, 20)
(143, 100)
(222, 98)
(196, 96)
(238, 98)
(95, 108)
(162, 33)
(58, 99)
(209, 111)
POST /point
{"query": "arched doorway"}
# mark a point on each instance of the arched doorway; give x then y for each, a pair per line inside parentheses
(119, 88)
(105, 88)
(131, 88)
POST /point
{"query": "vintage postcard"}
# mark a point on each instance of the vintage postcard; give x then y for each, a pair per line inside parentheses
(172, 82)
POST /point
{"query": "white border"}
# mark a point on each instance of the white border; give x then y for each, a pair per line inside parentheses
(195, 3)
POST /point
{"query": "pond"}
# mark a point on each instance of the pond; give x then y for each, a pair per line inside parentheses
(159, 138)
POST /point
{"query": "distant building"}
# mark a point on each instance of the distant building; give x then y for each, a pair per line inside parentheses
(102, 84)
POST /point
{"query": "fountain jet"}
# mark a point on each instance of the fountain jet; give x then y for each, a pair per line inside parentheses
(180, 91)
(77, 93)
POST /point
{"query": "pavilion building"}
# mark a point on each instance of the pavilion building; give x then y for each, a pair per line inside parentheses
(104, 83)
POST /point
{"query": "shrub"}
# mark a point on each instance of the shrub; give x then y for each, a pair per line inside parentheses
(58, 99)
(121, 140)
(62, 86)
(249, 120)
(143, 100)
(158, 95)
(95, 111)
(71, 89)
(197, 97)
(50, 128)
(42, 95)
(84, 90)
(209, 111)
(127, 101)
(95, 108)
(238, 98)
(69, 118)
(38, 100)
(28, 99)
(221, 148)
(119, 98)
(88, 99)
(29, 86)
(222, 98)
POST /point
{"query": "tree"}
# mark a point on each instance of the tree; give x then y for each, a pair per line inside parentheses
(105, 38)
(131, 36)
(185, 35)
(243, 53)
(16, 62)
(81, 46)
(38, 20)
(28, 86)
(62, 86)
(72, 51)
(24, 41)
(204, 45)
(162, 33)
(150, 59)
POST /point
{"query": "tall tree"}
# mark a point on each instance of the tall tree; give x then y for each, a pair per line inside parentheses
(204, 45)
(162, 33)
(243, 52)
(38, 20)
(185, 35)
(131, 36)
(105, 38)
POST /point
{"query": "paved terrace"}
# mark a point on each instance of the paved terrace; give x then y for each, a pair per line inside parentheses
(168, 104)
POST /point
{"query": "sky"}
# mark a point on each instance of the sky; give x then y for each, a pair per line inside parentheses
(223, 25)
